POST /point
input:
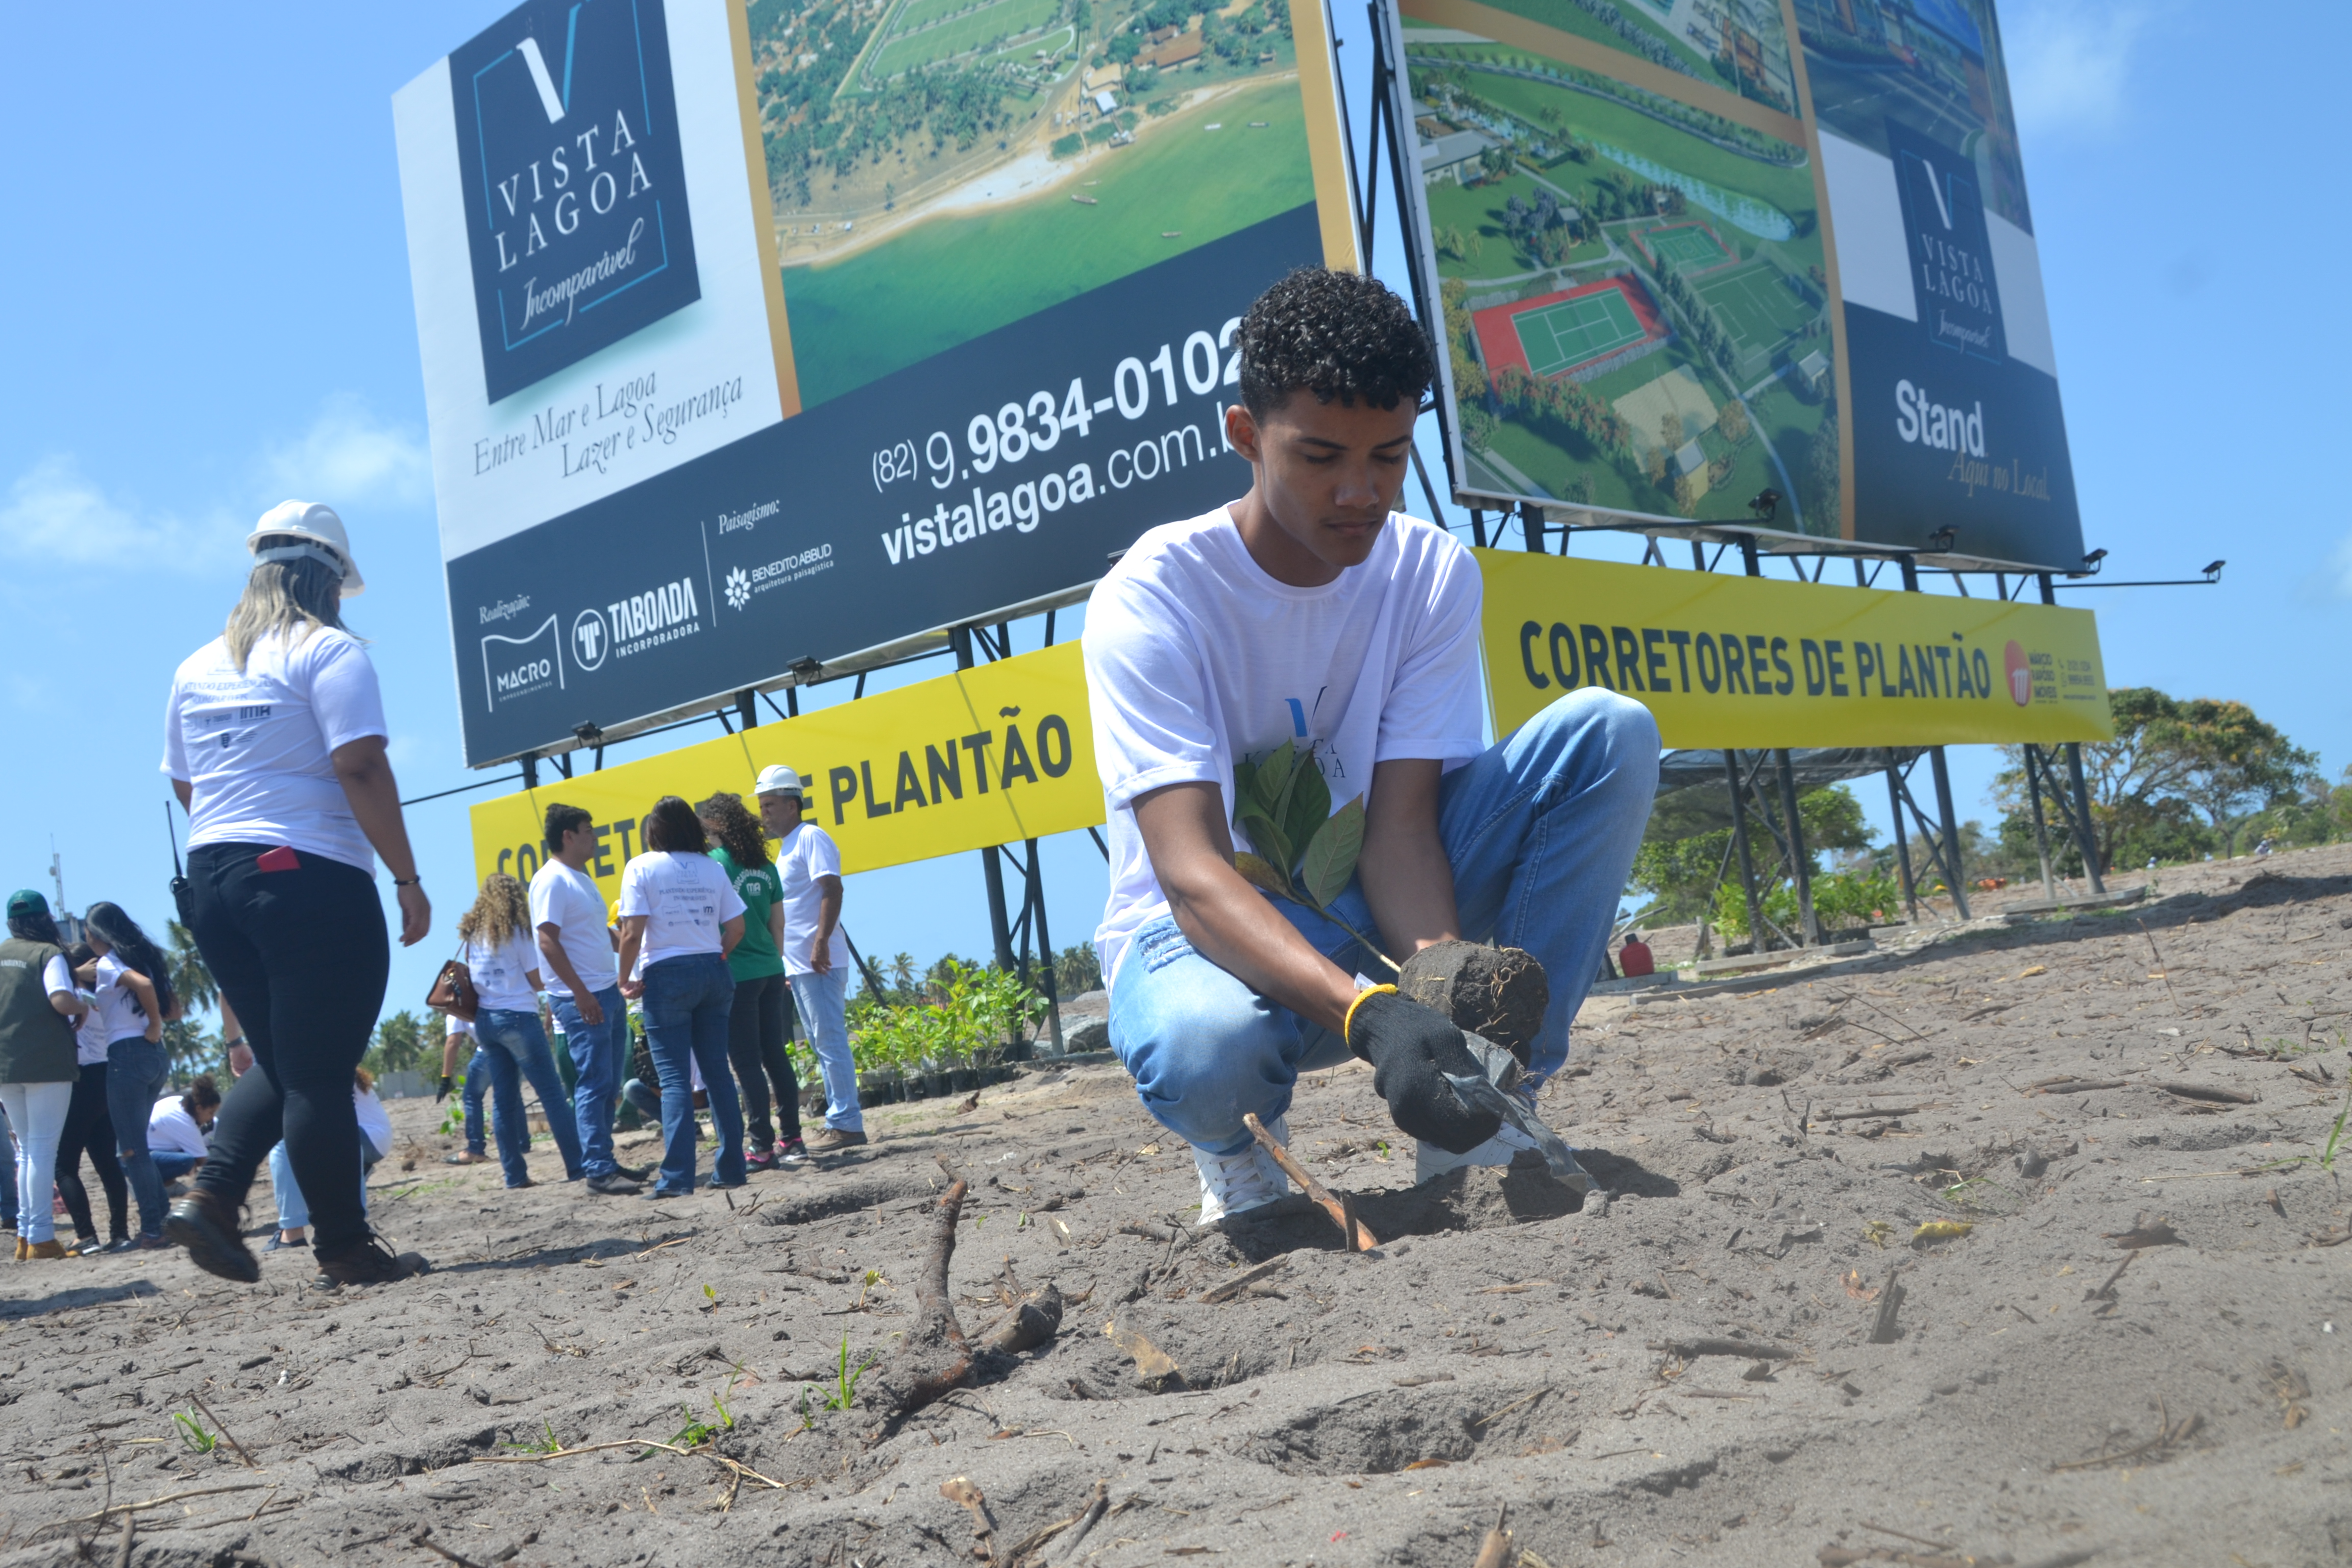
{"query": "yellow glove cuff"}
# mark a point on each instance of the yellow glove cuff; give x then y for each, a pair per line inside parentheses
(1349, 1022)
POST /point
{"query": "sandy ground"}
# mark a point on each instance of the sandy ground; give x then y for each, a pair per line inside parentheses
(1768, 1156)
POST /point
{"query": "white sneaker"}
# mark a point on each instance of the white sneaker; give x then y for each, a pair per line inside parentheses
(1429, 1160)
(1235, 1183)
(1275, 1174)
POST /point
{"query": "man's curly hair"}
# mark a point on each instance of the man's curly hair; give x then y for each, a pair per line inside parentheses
(1338, 335)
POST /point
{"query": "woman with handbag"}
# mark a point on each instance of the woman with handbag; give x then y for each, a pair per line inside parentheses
(681, 915)
(500, 971)
(274, 739)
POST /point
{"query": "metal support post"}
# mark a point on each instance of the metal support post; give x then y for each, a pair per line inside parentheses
(2035, 768)
(1801, 869)
(1749, 556)
(747, 708)
(1901, 838)
(960, 639)
(1955, 874)
(1531, 527)
(2085, 839)
(530, 771)
(1756, 939)
(1045, 946)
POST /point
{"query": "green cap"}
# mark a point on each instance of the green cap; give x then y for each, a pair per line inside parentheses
(26, 901)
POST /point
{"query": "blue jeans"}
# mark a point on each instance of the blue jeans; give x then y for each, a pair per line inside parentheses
(136, 1073)
(599, 1053)
(477, 1072)
(293, 1209)
(514, 1047)
(1540, 831)
(822, 1002)
(687, 1002)
(171, 1167)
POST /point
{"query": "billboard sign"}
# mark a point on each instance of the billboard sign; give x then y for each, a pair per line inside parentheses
(990, 755)
(1688, 254)
(758, 334)
(1740, 662)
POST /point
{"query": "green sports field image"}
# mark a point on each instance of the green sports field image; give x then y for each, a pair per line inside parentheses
(921, 35)
(1759, 306)
(1687, 248)
(946, 281)
(1575, 330)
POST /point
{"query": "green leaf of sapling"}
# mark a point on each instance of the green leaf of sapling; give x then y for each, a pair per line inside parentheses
(1332, 853)
(1271, 782)
(1310, 807)
(1259, 873)
(1267, 839)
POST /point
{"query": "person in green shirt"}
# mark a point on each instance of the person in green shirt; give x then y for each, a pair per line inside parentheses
(763, 1019)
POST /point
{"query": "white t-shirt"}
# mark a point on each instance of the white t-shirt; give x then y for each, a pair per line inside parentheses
(120, 1018)
(502, 974)
(568, 900)
(257, 749)
(90, 1037)
(685, 898)
(172, 1131)
(375, 1122)
(1195, 657)
(807, 853)
(458, 1028)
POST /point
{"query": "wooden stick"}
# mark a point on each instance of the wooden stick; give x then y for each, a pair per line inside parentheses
(1086, 1521)
(1749, 1349)
(1242, 1281)
(424, 1538)
(156, 1502)
(1360, 1235)
(1494, 1551)
(225, 1431)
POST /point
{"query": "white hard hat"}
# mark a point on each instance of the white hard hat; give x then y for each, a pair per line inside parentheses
(321, 534)
(779, 780)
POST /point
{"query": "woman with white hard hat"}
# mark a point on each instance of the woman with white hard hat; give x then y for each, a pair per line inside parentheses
(274, 739)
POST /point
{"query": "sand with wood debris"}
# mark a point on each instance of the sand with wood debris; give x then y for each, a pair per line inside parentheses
(2046, 1389)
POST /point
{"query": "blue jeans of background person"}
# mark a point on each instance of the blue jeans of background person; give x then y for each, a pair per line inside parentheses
(517, 1038)
(8, 1188)
(822, 1001)
(171, 1167)
(478, 1071)
(645, 1097)
(1540, 831)
(687, 1002)
(293, 1209)
(599, 1053)
(136, 1073)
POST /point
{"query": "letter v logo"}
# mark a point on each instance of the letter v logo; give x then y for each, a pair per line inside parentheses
(1935, 184)
(528, 48)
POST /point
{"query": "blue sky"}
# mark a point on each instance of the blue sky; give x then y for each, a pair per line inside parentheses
(209, 309)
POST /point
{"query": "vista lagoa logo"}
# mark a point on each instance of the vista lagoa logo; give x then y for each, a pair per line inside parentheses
(575, 188)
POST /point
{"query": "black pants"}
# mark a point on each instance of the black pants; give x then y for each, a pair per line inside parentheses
(302, 956)
(756, 1032)
(89, 1129)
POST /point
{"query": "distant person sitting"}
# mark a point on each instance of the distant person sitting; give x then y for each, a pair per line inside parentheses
(1635, 958)
(176, 1128)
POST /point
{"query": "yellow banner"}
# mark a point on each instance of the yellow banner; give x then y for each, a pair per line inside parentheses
(989, 756)
(1741, 662)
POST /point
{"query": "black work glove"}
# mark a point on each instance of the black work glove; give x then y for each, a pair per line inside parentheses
(1411, 1048)
(446, 1085)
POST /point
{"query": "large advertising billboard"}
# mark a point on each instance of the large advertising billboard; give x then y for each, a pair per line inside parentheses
(1688, 251)
(754, 334)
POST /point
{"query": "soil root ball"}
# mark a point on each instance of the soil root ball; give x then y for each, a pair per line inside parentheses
(1498, 991)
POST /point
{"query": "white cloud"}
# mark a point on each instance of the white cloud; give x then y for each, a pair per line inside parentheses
(349, 461)
(54, 513)
(2070, 64)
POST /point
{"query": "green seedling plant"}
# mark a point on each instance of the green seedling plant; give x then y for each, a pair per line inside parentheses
(843, 1395)
(697, 1431)
(192, 1433)
(1300, 850)
(452, 1121)
(551, 1444)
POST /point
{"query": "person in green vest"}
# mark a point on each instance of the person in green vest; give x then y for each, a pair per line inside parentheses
(763, 1019)
(38, 1007)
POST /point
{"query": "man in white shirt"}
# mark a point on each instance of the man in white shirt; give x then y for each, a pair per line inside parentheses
(816, 952)
(584, 990)
(1309, 612)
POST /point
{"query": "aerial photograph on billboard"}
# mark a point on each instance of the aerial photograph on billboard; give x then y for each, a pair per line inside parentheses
(943, 167)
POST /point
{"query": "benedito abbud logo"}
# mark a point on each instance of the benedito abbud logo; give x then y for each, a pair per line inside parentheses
(575, 189)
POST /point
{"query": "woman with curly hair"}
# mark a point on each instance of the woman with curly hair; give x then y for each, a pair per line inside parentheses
(763, 1019)
(503, 955)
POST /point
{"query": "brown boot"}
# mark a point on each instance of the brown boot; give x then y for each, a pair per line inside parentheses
(50, 1248)
(833, 1140)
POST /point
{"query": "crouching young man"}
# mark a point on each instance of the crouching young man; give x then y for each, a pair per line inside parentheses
(1308, 611)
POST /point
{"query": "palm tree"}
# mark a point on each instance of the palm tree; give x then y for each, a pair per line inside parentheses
(190, 978)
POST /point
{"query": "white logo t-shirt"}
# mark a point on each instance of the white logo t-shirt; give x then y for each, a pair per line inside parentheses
(807, 853)
(501, 975)
(257, 749)
(1196, 658)
(685, 900)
